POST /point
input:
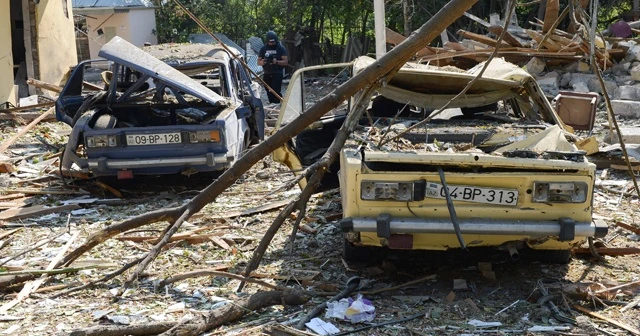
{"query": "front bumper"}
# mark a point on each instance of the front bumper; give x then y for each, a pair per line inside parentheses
(212, 160)
(564, 229)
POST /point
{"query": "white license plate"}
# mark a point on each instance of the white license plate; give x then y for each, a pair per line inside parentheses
(153, 139)
(474, 194)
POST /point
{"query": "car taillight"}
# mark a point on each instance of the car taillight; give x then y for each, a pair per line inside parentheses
(560, 192)
(204, 136)
(97, 141)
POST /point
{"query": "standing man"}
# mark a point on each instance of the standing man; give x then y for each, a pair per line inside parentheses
(273, 58)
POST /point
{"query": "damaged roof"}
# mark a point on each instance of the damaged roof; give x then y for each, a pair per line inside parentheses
(206, 38)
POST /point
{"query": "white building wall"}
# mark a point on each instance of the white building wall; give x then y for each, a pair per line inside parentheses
(143, 26)
(118, 23)
(56, 40)
(7, 92)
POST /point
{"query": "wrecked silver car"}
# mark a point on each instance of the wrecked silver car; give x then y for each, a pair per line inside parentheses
(159, 118)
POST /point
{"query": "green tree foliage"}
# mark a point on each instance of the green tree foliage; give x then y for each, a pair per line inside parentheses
(334, 21)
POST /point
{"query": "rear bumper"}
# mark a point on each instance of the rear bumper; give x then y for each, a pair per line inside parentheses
(564, 229)
(214, 161)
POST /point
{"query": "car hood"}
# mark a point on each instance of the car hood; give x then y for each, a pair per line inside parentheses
(122, 52)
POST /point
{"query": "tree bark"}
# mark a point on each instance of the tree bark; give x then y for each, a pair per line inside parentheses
(407, 17)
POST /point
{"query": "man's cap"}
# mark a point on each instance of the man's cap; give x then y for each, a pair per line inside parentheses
(272, 36)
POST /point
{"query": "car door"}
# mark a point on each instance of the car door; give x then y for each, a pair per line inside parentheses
(305, 87)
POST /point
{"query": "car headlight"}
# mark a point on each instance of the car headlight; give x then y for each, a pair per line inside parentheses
(560, 192)
(101, 141)
(392, 191)
(204, 136)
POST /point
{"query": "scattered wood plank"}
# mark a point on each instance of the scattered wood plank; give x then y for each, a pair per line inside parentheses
(508, 37)
(540, 40)
(395, 38)
(220, 242)
(26, 116)
(9, 233)
(11, 196)
(38, 210)
(615, 288)
(636, 167)
(611, 321)
(25, 191)
(482, 39)
(628, 227)
(477, 19)
(24, 108)
(42, 290)
(113, 191)
(20, 202)
(455, 46)
(24, 130)
(631, 304)
(551, 15)
(44, 85)
(56, 271)
(32, 286)
(610, 251)
(314, 274)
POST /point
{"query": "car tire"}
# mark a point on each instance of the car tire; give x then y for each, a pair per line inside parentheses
(562, 257)
(351, 252)
(105, 121)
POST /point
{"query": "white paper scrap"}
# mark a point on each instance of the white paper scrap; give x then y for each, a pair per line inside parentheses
(321, 327)
(548, 328)
(482, 324)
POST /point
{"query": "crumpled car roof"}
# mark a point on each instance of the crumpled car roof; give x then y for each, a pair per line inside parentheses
(432, 87)
(122, 52)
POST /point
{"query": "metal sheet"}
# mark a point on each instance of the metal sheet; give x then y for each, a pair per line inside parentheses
(122, 52)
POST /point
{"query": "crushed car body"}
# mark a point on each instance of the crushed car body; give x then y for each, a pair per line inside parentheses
(496, 168)
(159, 117)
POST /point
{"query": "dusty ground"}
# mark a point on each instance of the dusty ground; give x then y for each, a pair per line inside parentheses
(511, 298)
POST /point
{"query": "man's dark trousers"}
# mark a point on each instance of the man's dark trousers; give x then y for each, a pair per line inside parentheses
(274, 81)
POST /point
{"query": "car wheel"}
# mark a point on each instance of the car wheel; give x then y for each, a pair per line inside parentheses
(552, 256)
(105, 121)
(351, 252)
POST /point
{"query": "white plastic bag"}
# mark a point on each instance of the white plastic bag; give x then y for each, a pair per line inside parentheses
(354, 311)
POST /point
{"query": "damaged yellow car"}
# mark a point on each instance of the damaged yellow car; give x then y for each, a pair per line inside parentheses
(496, 168)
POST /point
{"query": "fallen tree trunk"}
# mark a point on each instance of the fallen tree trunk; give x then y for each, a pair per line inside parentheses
(227, 313)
